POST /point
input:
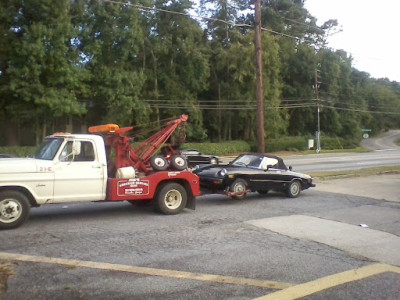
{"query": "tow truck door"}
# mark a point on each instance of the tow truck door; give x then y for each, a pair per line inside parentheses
(79, 177)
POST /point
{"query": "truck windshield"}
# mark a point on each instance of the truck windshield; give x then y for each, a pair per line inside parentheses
(48, 149)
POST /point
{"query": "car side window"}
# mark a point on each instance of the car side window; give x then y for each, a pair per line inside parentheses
(87, 152)
(268, 161)
(66, 153)
(255, 163)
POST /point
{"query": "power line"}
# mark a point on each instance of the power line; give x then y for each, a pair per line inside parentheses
(245, 104)
(227, 107)
(253, 107)
(210, 101)
(146, 8)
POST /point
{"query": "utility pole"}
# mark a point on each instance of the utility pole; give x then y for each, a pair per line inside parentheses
(260, 90)
(317, 134)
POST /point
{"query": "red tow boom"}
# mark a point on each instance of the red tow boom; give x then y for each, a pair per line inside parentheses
(139, 158)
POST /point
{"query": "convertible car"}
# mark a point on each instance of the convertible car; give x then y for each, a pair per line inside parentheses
(250, 173)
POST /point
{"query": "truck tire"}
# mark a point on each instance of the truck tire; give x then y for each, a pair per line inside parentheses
(159, 163)
(14, 209)
(171, 198)
(179, 162)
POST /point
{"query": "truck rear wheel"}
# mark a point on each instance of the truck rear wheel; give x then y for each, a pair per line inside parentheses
(14, 209)
(171, 199)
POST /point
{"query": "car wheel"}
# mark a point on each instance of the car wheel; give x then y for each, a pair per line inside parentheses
(159, 163)
(239, 185)
(14, 209)
(293, 189)
(178, 162)
(171, 199)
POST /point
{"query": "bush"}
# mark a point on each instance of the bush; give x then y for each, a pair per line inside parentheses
(18, 151)
(332, 143)
(300, 143)
(286, 144)
(225, 148)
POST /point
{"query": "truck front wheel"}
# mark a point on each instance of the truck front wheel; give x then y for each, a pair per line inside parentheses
(14, 209)
(171, 199)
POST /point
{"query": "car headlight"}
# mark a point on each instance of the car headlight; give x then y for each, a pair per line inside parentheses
(223, 172)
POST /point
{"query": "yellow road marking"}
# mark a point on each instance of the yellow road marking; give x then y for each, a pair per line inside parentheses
(312, 287)
(146, 271)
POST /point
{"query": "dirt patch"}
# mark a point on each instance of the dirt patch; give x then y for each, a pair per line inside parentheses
(6, 271)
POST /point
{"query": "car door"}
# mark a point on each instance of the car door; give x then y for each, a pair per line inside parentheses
(270, 177)
(79, 177)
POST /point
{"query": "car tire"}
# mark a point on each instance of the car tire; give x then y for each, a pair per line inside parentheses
(159, 163)
(294, 189)
(14, 209)
(179, 162)
(239, 185)
(171, 198)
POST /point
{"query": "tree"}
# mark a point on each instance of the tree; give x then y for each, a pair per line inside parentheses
(110, 40)
(42, 79)
(177, 68)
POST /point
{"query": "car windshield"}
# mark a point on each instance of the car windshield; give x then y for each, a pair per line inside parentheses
(48, 149)
(248, 161)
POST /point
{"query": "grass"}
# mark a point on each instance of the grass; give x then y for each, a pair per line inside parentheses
(306, 152)
(356, 173)
(353, 150)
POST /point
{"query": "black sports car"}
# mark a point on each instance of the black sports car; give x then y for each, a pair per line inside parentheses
(195, 157)
(250, 173)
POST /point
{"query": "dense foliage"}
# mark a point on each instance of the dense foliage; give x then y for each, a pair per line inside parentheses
(224, 148)
(68, 64)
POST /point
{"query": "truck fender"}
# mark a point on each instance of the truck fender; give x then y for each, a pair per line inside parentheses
(24, 191)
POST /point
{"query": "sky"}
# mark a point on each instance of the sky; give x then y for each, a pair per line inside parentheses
(370, 32)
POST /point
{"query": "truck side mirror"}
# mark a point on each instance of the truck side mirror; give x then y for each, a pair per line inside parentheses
(76, 148)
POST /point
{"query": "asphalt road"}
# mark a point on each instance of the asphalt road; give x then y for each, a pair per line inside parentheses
(272, 247)
(386, 153)
(117, 251)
